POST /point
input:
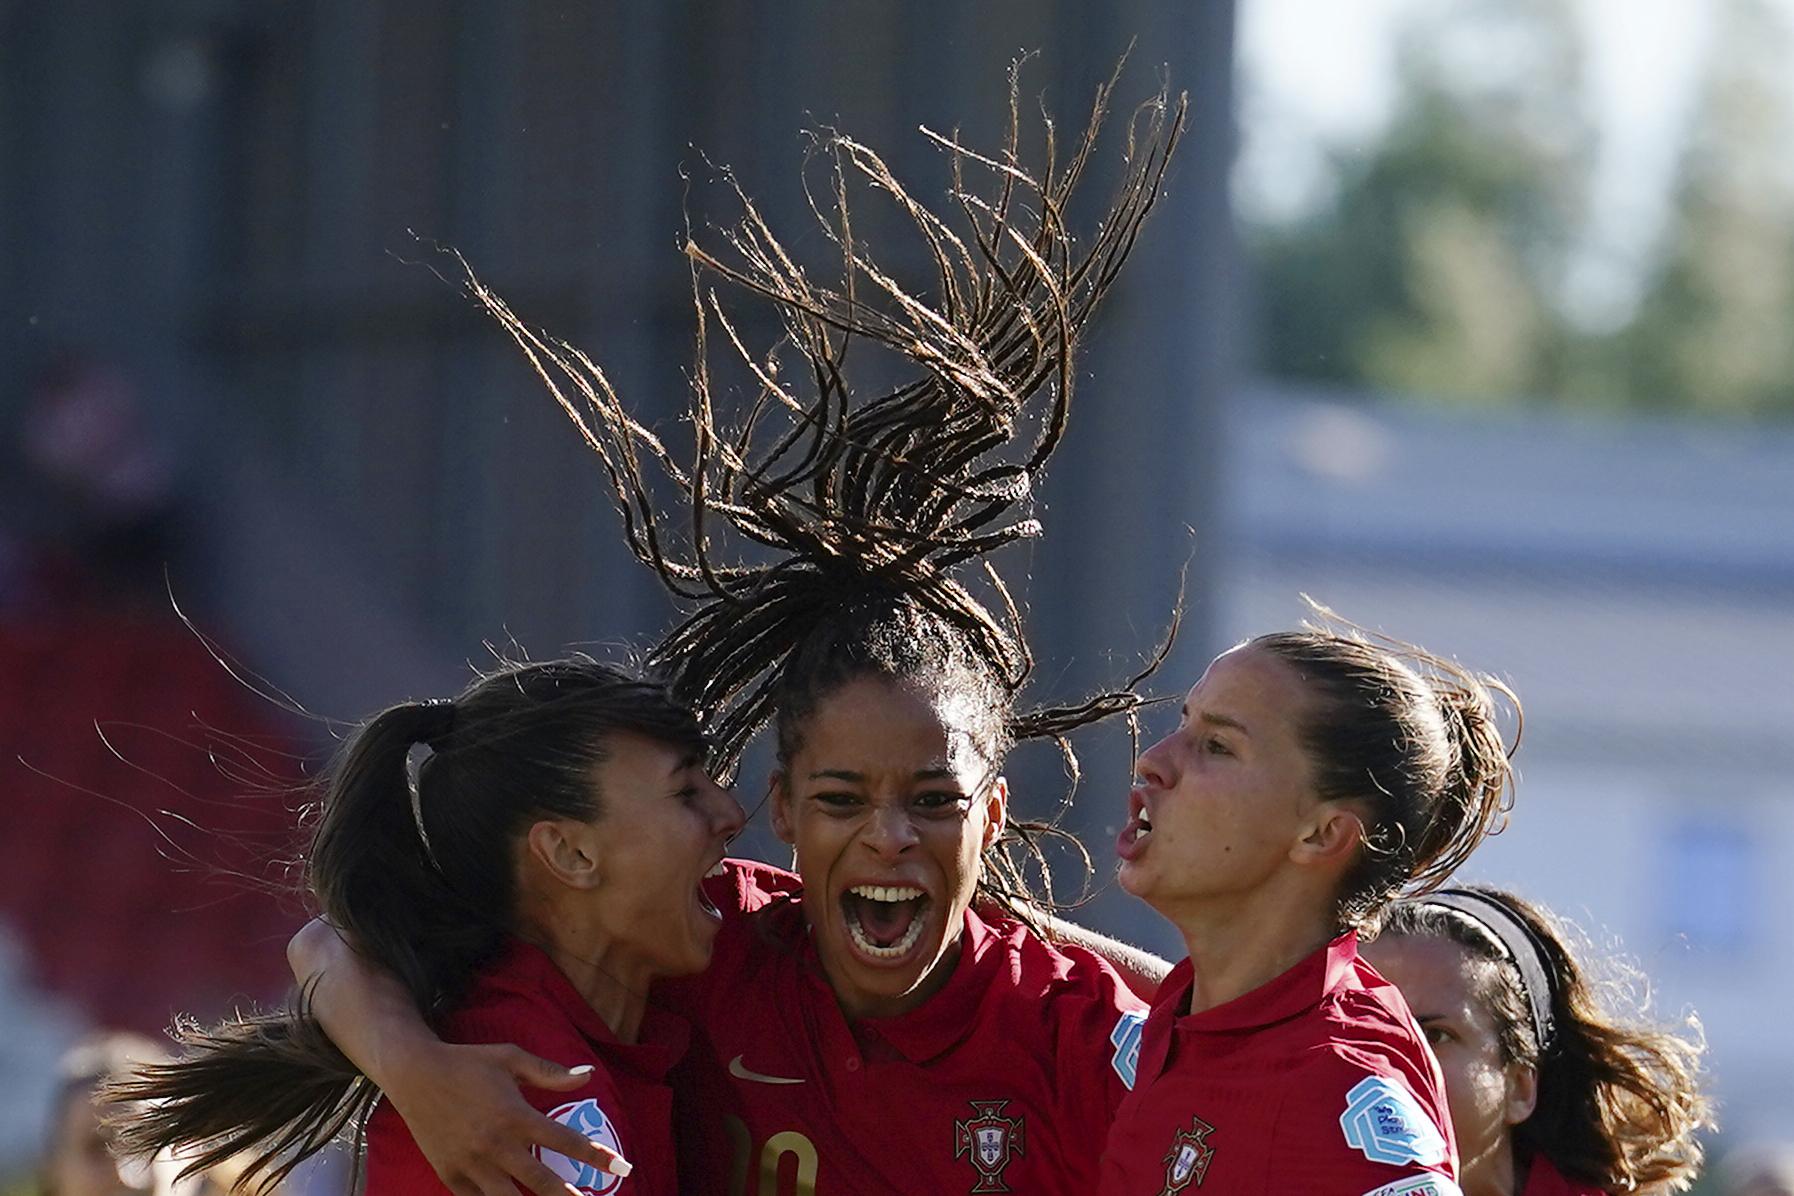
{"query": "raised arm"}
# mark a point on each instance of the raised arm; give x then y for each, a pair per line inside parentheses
(461, 1102)
(1141, 969)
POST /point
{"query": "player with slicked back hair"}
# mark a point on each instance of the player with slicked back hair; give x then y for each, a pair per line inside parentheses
(1315, 775)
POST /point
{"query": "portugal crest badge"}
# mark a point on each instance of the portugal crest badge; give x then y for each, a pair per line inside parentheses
(991, 1139)
(1188, 1159)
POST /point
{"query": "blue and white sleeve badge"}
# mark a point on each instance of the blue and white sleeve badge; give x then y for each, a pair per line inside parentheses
(1384, 1122)
(589, 1119)
(1125, 1038)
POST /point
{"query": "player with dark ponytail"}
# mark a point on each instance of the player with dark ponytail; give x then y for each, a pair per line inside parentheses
(523, 883)
(1554, 1092)
(1315, 775)
(888, 1020)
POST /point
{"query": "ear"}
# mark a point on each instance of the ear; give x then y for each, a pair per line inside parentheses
(778, 797)
(1331, 835)
(996, 811)
(1522, 1093)
(569, 851)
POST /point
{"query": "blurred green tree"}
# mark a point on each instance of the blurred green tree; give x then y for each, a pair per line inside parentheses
(1436, 265)
(1715, 327)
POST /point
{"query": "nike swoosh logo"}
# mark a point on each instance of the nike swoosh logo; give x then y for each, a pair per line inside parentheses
(740, 1072)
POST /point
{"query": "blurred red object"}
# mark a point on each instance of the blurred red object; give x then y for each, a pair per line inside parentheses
(148, 799)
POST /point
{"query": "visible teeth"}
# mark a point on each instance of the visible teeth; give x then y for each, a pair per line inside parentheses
(895, 950)
(1141, 831)
(886, 892)
(716, 871)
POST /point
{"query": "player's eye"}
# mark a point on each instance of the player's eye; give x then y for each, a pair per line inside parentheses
(941, 802)
(690, 787)
(836, 802)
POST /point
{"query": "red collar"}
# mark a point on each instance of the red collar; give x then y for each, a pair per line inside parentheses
(1296, 991)
(525, 967)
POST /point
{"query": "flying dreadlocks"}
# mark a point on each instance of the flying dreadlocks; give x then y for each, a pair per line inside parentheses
(872, 507)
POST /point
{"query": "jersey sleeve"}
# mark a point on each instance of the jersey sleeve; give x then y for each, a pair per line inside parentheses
(594, 1109)
(744, 886)
(1098, 1021)
(1360, 1123)
(395, 1163)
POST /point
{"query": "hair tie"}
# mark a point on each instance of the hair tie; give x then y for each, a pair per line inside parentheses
(436, 720)
(1522, 945)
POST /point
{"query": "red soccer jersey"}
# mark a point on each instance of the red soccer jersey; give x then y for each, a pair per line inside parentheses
(1004, 1080)
(1317, 1083)
(626, 1105)
(1542, 1179)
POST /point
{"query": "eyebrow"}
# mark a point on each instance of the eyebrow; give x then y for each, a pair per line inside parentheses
(845, 774)
(690, 759)
(1219, 720)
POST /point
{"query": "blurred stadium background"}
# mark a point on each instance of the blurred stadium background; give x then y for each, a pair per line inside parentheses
(1474, 320)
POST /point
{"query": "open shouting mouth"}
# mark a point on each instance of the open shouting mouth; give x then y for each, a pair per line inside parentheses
(884, 922)
(1131, 843)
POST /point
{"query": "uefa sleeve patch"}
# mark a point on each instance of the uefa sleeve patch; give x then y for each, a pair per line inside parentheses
(1125, 1038)
(586, 1117)
(1418, 1185)
(1386, 1124)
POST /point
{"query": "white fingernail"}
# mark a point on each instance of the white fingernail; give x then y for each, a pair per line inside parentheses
(584, 1069)
(620, 1167)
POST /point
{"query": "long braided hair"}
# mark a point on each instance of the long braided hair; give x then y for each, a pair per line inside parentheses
(829, 533)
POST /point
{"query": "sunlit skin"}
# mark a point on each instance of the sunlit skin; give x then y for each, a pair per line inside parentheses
(1487, 1096)
(80, 1161)
(887, 789)
(1242, 855)
(617, 901)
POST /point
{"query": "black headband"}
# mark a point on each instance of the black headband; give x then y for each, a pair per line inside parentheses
(1523, 947)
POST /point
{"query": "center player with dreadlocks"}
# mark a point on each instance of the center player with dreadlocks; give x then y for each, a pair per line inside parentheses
(890, 1019)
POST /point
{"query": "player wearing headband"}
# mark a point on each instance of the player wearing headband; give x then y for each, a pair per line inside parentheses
(1551, 1093)
(1314, 776)
(888, 1021)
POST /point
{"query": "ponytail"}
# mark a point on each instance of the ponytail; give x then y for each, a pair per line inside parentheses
(1411, 736)
(1478, 785)
(376, 877)
(271, 1087)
